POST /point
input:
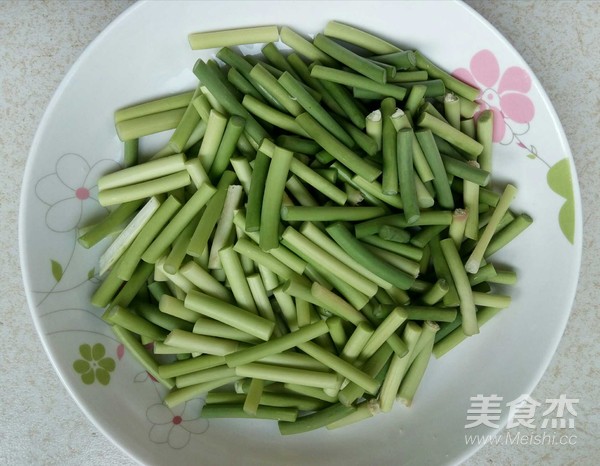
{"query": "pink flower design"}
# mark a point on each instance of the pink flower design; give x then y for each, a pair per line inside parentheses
(503, 94)
(71, 190)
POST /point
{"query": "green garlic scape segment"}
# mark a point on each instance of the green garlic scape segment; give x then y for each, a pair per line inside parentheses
(319, 223)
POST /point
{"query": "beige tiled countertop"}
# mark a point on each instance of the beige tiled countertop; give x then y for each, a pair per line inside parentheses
(40, 40)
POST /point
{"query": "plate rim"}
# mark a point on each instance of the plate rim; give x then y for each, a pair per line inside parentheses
(551, 346)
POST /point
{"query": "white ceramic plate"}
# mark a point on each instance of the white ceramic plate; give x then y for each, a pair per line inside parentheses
(143, 54)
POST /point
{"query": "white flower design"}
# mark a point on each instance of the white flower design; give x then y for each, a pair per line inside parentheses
(71, 190)
(175, 426)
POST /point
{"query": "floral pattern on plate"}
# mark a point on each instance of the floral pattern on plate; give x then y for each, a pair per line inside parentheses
(94, 365)
(506, 95)
(70, 195)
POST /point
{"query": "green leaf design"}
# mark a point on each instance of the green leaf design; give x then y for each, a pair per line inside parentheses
(94, 366)
(91, 273)
(81, 366)
(88, 378)
(57, 270)
(531, 156)
(107, 364)
(86, 352)
(102, 376)
(560, 181)
(98, 351)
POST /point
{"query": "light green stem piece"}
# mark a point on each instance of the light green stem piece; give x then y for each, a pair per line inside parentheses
(507, 234)
(360, 38)
(139, 352)
(225, 226)
(317, 236)
(201, 343)
(269, 82)
(304, 47)
(270, 115)
(335, 304)
(178, 252)
(474, 261)
(318, 256)
(381, 334)
(287, 375)
(190, 209)
(357, 342)
(214, 328)
(272, 200)
(176, 101)
(309, 176)
(243, 170)
(352, 60)
(230, 315)
(197, 172)
(351, 392)
(215, 129)
(450, 134)
(206, 375)
(236, 277)
(316, 420)
(117, 315)
(143, 172)
(362, 255)
(144, 189)
(199, 363)
(188, 123)
(280, 253)
(174, 307)
(458, 225)
(373, 126)
(136, 128)
(181, 395)
(408, 180)
(415, 374)
(485, 129)
(364, 410)
(329, 214)
(229, 37)
(471, 202)
(457, 336)
(252, 401)
(161, 348)
(347, 78)
(239, 411)
(254, 252)
(463, 287)
(451, 83)
(415, 97)
(204, 281)
(122, 242)
(269, 278)
(277, 345)
(341, 152)
(341, 366)
(210, 216)
(375, 189)
(491, 300)
(436, 292)
(108, 225)
(300, 193)
(452, 110)
(398, 368)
